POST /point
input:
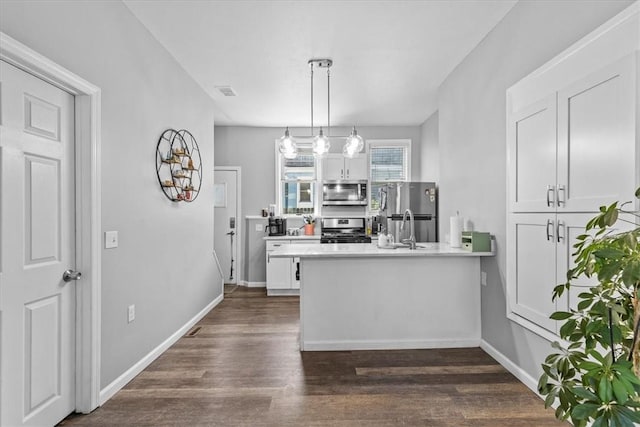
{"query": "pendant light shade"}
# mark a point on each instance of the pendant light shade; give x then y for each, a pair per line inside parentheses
(353, 145)
(287, 146)
(320, 145)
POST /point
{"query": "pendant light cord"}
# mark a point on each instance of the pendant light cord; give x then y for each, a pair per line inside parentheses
(311, 65)
(328, 103)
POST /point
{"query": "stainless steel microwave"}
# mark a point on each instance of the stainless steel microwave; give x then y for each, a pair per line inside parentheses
(344, 193)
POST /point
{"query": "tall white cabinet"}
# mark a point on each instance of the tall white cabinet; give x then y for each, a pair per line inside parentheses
(572, 146)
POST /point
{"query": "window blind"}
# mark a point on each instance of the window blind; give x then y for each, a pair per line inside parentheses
(387, 164)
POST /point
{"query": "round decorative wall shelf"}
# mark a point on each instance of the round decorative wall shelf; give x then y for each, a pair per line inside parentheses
(179, 165)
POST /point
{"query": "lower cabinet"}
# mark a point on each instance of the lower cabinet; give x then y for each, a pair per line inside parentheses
(283, 274)
(539, 256)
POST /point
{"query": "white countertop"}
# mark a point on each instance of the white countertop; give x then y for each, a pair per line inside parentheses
(299, 237)
(364, 250)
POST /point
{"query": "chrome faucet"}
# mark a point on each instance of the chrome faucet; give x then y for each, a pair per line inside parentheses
(412, 237)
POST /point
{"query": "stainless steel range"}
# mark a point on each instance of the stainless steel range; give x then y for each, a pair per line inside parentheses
(344, 230)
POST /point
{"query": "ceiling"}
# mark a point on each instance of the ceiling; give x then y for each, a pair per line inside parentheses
(389, 57)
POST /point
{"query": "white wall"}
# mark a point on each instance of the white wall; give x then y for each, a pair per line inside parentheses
(430, 153)
(473, 148)
(164, 262)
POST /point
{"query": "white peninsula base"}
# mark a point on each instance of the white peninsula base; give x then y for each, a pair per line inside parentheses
(370, 299)
(389, 303)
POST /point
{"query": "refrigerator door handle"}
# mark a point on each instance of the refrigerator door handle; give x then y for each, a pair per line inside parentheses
(382, 193)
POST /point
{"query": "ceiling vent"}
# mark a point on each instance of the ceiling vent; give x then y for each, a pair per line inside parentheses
(226, 90)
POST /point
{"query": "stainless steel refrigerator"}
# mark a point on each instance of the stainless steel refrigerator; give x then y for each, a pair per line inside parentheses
(421, 198)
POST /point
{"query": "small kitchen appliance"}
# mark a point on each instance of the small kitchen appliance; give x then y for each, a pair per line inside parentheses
(277, 226)
(344, 193)
(344, 230)
(476, 241)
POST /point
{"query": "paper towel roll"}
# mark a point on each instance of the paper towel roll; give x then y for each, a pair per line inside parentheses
(455, 231)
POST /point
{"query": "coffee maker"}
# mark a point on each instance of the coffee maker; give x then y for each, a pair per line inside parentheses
(277, 226)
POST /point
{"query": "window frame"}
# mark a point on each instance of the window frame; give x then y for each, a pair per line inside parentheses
(386, 143)
(279, 180)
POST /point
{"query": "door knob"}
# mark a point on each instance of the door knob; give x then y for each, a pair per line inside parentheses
(70, 275)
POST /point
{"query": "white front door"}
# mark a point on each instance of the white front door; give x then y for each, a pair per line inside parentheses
(37, 222)
(226, 227)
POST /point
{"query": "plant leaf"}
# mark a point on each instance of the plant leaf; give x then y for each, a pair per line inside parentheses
(619, 391)
(585, 394)
(584, 410)
(561, 315)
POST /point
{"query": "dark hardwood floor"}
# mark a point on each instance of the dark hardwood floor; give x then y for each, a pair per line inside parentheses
(243, 368)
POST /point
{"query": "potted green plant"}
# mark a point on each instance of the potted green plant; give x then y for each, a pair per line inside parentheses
(309, 225)
(594, 375)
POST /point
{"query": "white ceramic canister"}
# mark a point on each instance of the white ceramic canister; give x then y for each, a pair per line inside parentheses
(383, 240)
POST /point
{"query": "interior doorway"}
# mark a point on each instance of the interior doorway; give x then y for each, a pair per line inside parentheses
(227, 223)
(86, 110)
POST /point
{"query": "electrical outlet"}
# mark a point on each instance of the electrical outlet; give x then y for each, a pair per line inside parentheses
(259, 227)
(483, 278)
(110, 239)
(131, 313)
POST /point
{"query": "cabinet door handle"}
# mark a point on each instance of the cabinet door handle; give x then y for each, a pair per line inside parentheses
(347, 173)
(549, 227)
(298, 271)
(559, 225)
(342, 173)
(550, 191)
(561, 200)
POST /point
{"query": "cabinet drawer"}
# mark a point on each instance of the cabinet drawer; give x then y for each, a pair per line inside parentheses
(275, 244)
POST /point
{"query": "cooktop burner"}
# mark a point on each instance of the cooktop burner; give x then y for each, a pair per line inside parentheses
(344, 238)
(344, 230)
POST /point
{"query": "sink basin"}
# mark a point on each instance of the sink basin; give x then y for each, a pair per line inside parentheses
(394, 246)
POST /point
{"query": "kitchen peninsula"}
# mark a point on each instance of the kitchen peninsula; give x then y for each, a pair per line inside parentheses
(362, 297)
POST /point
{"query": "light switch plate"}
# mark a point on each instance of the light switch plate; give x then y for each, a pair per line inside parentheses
(110, 239)
(259, 227)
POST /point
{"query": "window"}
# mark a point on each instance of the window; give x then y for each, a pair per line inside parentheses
(296, 182)
(389, 161)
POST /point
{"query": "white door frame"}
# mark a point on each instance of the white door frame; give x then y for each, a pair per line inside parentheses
(239, 227)
(88, 214)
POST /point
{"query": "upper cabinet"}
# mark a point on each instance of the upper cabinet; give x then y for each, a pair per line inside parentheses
(531, 136)
(596, 138)
(575, 149)
(336, 166)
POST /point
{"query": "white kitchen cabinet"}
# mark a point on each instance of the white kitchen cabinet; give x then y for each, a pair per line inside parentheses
(336, 166)
(539, 256)
(283, 274)
(575, 149)
(597, 138)
(540, 253)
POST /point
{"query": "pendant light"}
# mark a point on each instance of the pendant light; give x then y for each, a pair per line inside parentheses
(321, 143)
(353, 145)
(287, 146)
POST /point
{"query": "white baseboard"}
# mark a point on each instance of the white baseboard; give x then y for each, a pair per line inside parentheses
(117, 384)
(253, 284)
(386, 344)
(517, 371)
(283, 292)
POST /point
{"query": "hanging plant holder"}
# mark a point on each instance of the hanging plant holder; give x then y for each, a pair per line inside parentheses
(179, 165)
